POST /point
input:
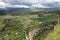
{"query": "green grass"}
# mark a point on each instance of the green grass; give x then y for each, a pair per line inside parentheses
(1, 20)
(46, 19)
(54, 35)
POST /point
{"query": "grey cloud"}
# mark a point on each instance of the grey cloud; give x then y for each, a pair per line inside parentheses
(31, 3)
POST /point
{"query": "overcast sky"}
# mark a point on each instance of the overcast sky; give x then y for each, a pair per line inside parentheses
(29, 3)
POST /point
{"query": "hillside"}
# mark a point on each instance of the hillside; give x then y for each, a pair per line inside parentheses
(29, 27)
(23, 26)
(54, 35)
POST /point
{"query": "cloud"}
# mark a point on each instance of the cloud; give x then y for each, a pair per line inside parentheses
(29, 3)
(2, 4)
(5, 5)
(49, 1)
(17, 6)
(20, 1)
(39, 6)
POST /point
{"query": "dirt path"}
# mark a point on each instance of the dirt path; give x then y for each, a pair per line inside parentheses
(32, 33)
(41, 35)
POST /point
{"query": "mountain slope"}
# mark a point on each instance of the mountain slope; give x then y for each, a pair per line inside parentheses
(54, 35)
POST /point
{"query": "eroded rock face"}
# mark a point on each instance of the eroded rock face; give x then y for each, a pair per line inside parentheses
(47, 26)
(32, 33)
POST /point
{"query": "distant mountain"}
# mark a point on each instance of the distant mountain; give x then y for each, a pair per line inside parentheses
(45, 9)
(21, 11)
(36, 9)
(15, 9)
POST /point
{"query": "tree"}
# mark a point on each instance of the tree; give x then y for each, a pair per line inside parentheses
(57, 13)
